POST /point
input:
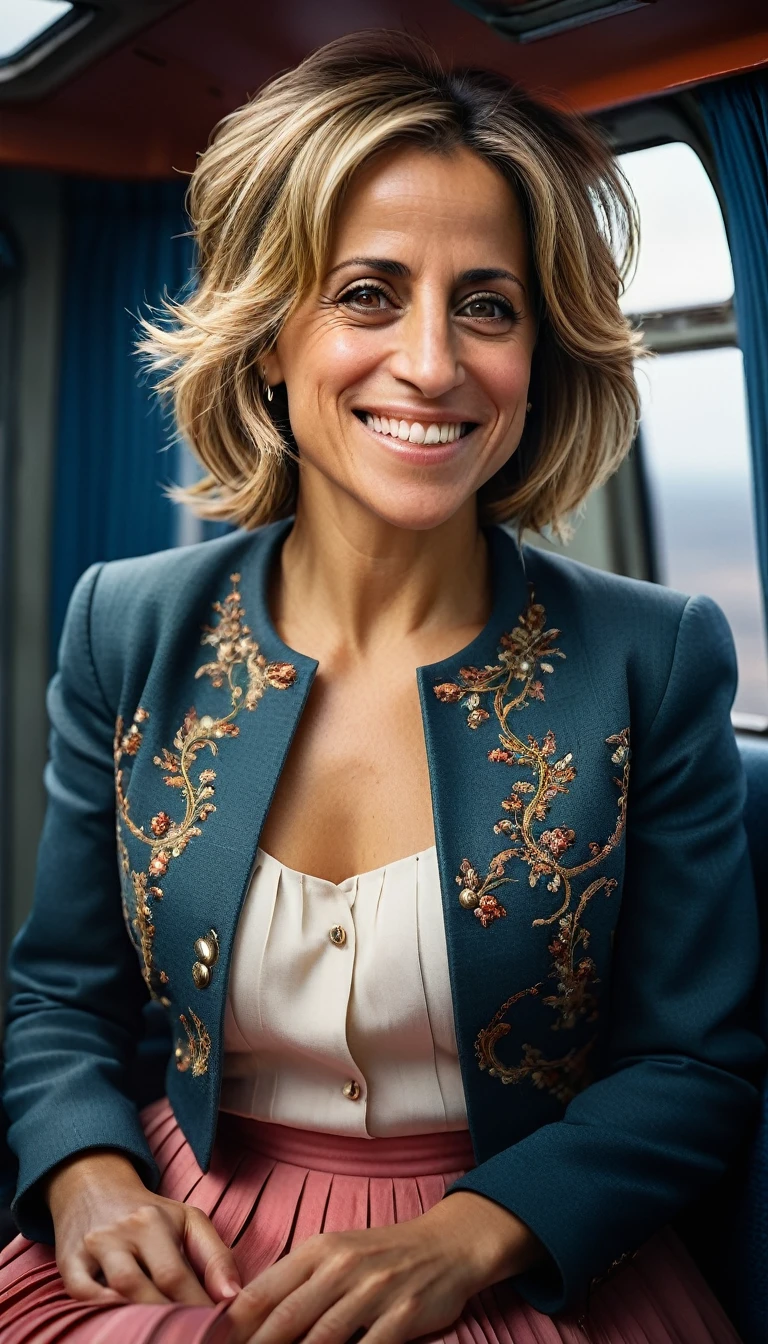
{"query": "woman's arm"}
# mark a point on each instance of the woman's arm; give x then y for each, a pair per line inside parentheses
(74, 1017)
(76, 991)
(639, 1144)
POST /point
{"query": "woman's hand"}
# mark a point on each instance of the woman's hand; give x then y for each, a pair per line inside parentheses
(396, 1282)
(117, 1242)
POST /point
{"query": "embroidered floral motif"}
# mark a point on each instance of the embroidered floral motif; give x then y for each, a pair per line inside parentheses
(574, 998)
(522, 655)
(524, 651)
(478, 896)
(567, 1075)
(193, 1053)
(242, 668)
(562, 1077)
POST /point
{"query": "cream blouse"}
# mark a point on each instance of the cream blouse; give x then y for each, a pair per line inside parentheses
(339, 1016)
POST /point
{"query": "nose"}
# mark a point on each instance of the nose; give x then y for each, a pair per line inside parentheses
(427, 354)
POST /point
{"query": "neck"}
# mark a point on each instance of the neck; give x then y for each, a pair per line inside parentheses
(350, 580)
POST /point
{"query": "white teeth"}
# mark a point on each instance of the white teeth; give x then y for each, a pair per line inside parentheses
(412, 433)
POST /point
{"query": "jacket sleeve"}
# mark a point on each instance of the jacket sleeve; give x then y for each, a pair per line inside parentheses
(684, 1055)
(76, 991)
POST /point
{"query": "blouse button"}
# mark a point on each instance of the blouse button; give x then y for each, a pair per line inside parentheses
(337, 935)
(351, 1090)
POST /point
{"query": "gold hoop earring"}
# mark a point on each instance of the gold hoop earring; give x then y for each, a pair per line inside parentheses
(267, 388)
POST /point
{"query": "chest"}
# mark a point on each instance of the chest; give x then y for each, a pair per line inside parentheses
(355, 790)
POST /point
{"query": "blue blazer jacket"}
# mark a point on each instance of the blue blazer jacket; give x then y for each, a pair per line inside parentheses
(598, 903)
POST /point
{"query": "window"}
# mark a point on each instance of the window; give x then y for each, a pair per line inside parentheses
(22, 22)
(694, 432)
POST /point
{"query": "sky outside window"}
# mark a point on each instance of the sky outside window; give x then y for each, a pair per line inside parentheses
(684, 255)
(694, 426)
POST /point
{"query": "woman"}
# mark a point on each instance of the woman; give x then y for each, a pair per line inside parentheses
(406, 330)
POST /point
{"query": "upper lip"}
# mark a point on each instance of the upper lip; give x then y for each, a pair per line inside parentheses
(416, 416)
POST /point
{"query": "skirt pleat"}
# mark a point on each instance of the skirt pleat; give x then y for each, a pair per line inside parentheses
(270, 1188)
(266, 1234)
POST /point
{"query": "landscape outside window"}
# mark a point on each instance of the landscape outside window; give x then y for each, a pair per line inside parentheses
(694, 431)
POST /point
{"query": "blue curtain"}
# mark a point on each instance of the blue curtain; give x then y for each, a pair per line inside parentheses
(736, 114)
(124, 245)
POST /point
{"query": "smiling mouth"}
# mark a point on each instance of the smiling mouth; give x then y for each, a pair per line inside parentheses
(416, 431)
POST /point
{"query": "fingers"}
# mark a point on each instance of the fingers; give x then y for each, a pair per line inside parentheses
(80, 1278)
(268, 1293)
(171, 1273)
(397, 1325)
(123, 1273)
(302, 1309)
(212, 1261)
(142, 1260)
(337, 1321)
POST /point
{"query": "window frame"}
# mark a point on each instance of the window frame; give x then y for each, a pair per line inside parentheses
(663, 121)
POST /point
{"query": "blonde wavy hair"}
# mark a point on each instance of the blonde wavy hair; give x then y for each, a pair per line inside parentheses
(263, 200)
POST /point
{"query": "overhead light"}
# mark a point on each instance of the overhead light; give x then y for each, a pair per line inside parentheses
(529, 20)
(25, 22)
(43, 43)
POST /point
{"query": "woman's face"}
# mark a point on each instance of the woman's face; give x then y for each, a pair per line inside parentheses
(407, 367)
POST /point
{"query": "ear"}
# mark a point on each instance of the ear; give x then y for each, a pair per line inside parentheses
(270, 363)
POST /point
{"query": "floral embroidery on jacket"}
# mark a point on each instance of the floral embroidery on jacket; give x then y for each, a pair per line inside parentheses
(530, 838)
(193, 1053)
(244, 671)
(566, 1076)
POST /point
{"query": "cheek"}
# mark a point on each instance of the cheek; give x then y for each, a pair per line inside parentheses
(336, 359)
(505, 375)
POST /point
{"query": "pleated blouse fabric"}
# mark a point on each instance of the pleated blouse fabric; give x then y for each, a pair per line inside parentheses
(339, 1017)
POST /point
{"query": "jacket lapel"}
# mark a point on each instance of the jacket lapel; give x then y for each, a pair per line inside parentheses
(204, 764)
(492, 716)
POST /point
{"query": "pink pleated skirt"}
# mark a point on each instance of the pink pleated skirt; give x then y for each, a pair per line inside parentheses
(269, 1188)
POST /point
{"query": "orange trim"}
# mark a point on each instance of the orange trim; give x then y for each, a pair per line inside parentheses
(677, 71)
(123, 117)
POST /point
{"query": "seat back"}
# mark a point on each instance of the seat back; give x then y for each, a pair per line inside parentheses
(727, 1231)
(752, 1227)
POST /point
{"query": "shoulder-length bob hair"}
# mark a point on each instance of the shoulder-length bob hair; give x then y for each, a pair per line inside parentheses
(263, 200)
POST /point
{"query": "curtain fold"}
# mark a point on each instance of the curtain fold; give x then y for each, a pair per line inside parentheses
(125, 245)
(736, 115)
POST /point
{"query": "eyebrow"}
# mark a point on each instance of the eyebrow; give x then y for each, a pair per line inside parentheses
(479, 275)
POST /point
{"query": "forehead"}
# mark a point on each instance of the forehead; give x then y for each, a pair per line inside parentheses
(410, 200)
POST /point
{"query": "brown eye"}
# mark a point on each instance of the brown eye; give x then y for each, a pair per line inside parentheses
(482, 308)
(488, 308)
(365, 298)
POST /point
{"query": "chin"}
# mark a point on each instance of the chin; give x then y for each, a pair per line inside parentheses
(414, 508)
